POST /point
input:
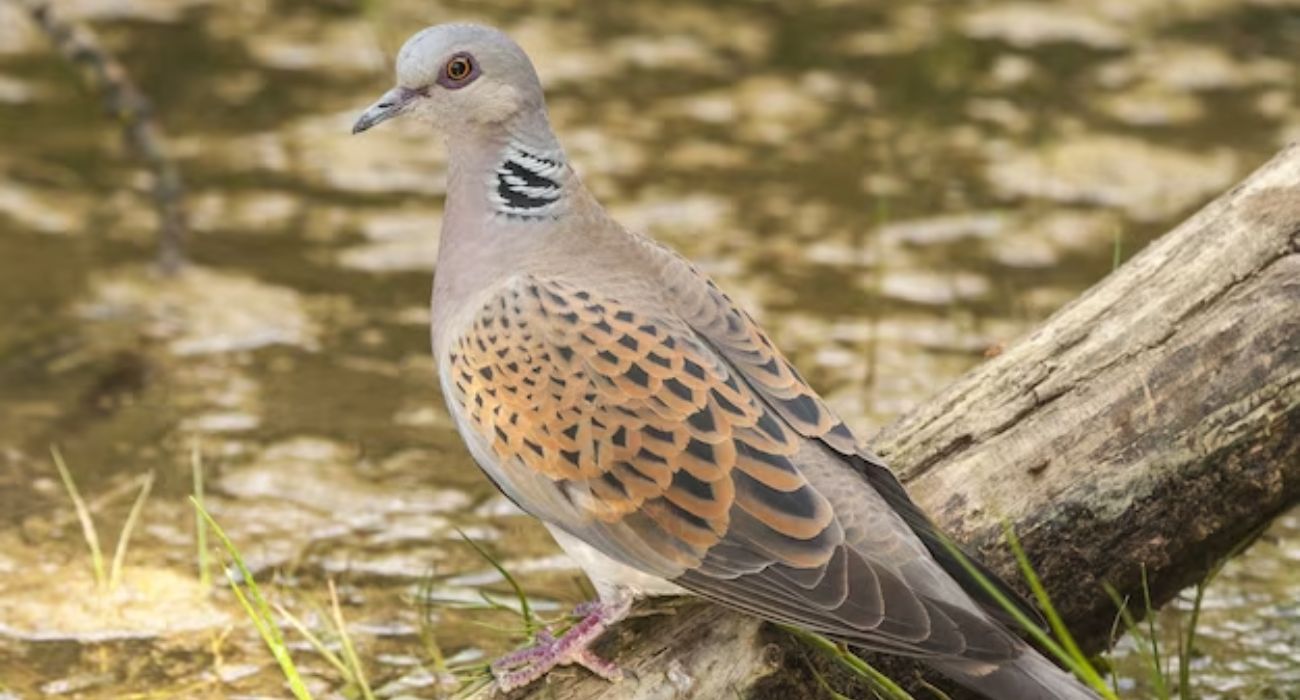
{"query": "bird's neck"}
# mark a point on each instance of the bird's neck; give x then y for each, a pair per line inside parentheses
(515, 170)
(507, 190)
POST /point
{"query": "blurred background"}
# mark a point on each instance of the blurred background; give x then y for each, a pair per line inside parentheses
(896, 189)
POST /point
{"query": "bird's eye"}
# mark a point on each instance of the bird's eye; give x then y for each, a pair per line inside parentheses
(459, 68)
(459, 71)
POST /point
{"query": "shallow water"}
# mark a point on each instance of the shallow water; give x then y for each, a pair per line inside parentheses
(893, 191)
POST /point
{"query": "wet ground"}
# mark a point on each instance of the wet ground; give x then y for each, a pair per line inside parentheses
(894, 192)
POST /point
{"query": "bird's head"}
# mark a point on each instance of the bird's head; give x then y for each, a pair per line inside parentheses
(459, 78)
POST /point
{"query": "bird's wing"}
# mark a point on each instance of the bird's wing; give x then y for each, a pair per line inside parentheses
(734, 334)
(626, 428)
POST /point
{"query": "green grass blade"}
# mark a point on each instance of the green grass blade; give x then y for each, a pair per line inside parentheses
(1059, 629)
(1083, 671)
(316, 642)
(827, 690)
(1139, 636)
(428, 636)
(1114, 636)
(200, 527)
(860, 668)
(525, 609)
(124, 538)
(1184, 646)
(258, 609)
(1159, 674)
(88, 532)
(263, 607)
(1187, 647)
(357, 673)
(270, 635)
(472, 687)
(938, 694)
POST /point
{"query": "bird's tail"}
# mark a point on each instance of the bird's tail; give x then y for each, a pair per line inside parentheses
(1029, 676)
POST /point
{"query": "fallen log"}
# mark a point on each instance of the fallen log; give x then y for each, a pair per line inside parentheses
(1152, 423)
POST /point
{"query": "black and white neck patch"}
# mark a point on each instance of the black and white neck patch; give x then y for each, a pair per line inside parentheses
(527, 184)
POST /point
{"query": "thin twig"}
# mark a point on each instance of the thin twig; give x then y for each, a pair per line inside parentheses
(126, 103)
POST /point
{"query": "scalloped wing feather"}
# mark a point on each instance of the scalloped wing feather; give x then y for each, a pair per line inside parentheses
(630, 431)
(738, 338)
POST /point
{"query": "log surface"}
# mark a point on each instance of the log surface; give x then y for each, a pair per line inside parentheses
(1153, 422)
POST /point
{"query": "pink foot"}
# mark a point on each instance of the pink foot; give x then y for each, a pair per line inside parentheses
(518, 669)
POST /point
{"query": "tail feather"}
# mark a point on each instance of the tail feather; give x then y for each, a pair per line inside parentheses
(1028, 677)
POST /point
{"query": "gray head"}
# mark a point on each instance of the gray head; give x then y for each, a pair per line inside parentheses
(460, 78)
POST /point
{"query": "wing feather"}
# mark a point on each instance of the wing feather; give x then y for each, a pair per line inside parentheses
(739, 339)
(673, 443)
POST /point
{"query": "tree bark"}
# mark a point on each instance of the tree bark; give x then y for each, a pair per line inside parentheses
(1152, 423)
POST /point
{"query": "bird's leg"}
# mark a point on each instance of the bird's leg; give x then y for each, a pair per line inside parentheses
(528, 654)
(518, 669)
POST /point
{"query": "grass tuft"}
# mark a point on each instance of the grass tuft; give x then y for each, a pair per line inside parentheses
(107, 578)
(473, 677)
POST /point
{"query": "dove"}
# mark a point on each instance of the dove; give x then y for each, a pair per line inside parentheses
(613, 391)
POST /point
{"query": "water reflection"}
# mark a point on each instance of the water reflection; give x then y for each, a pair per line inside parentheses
(894, 190)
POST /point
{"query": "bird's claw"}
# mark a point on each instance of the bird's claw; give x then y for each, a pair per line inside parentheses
(519, 668)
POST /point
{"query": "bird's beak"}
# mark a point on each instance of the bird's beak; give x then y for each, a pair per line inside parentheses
(393, 103)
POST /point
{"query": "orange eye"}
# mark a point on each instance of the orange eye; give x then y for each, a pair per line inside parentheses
(459, 68)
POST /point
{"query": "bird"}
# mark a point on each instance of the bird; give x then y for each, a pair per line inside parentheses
(615, 392)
